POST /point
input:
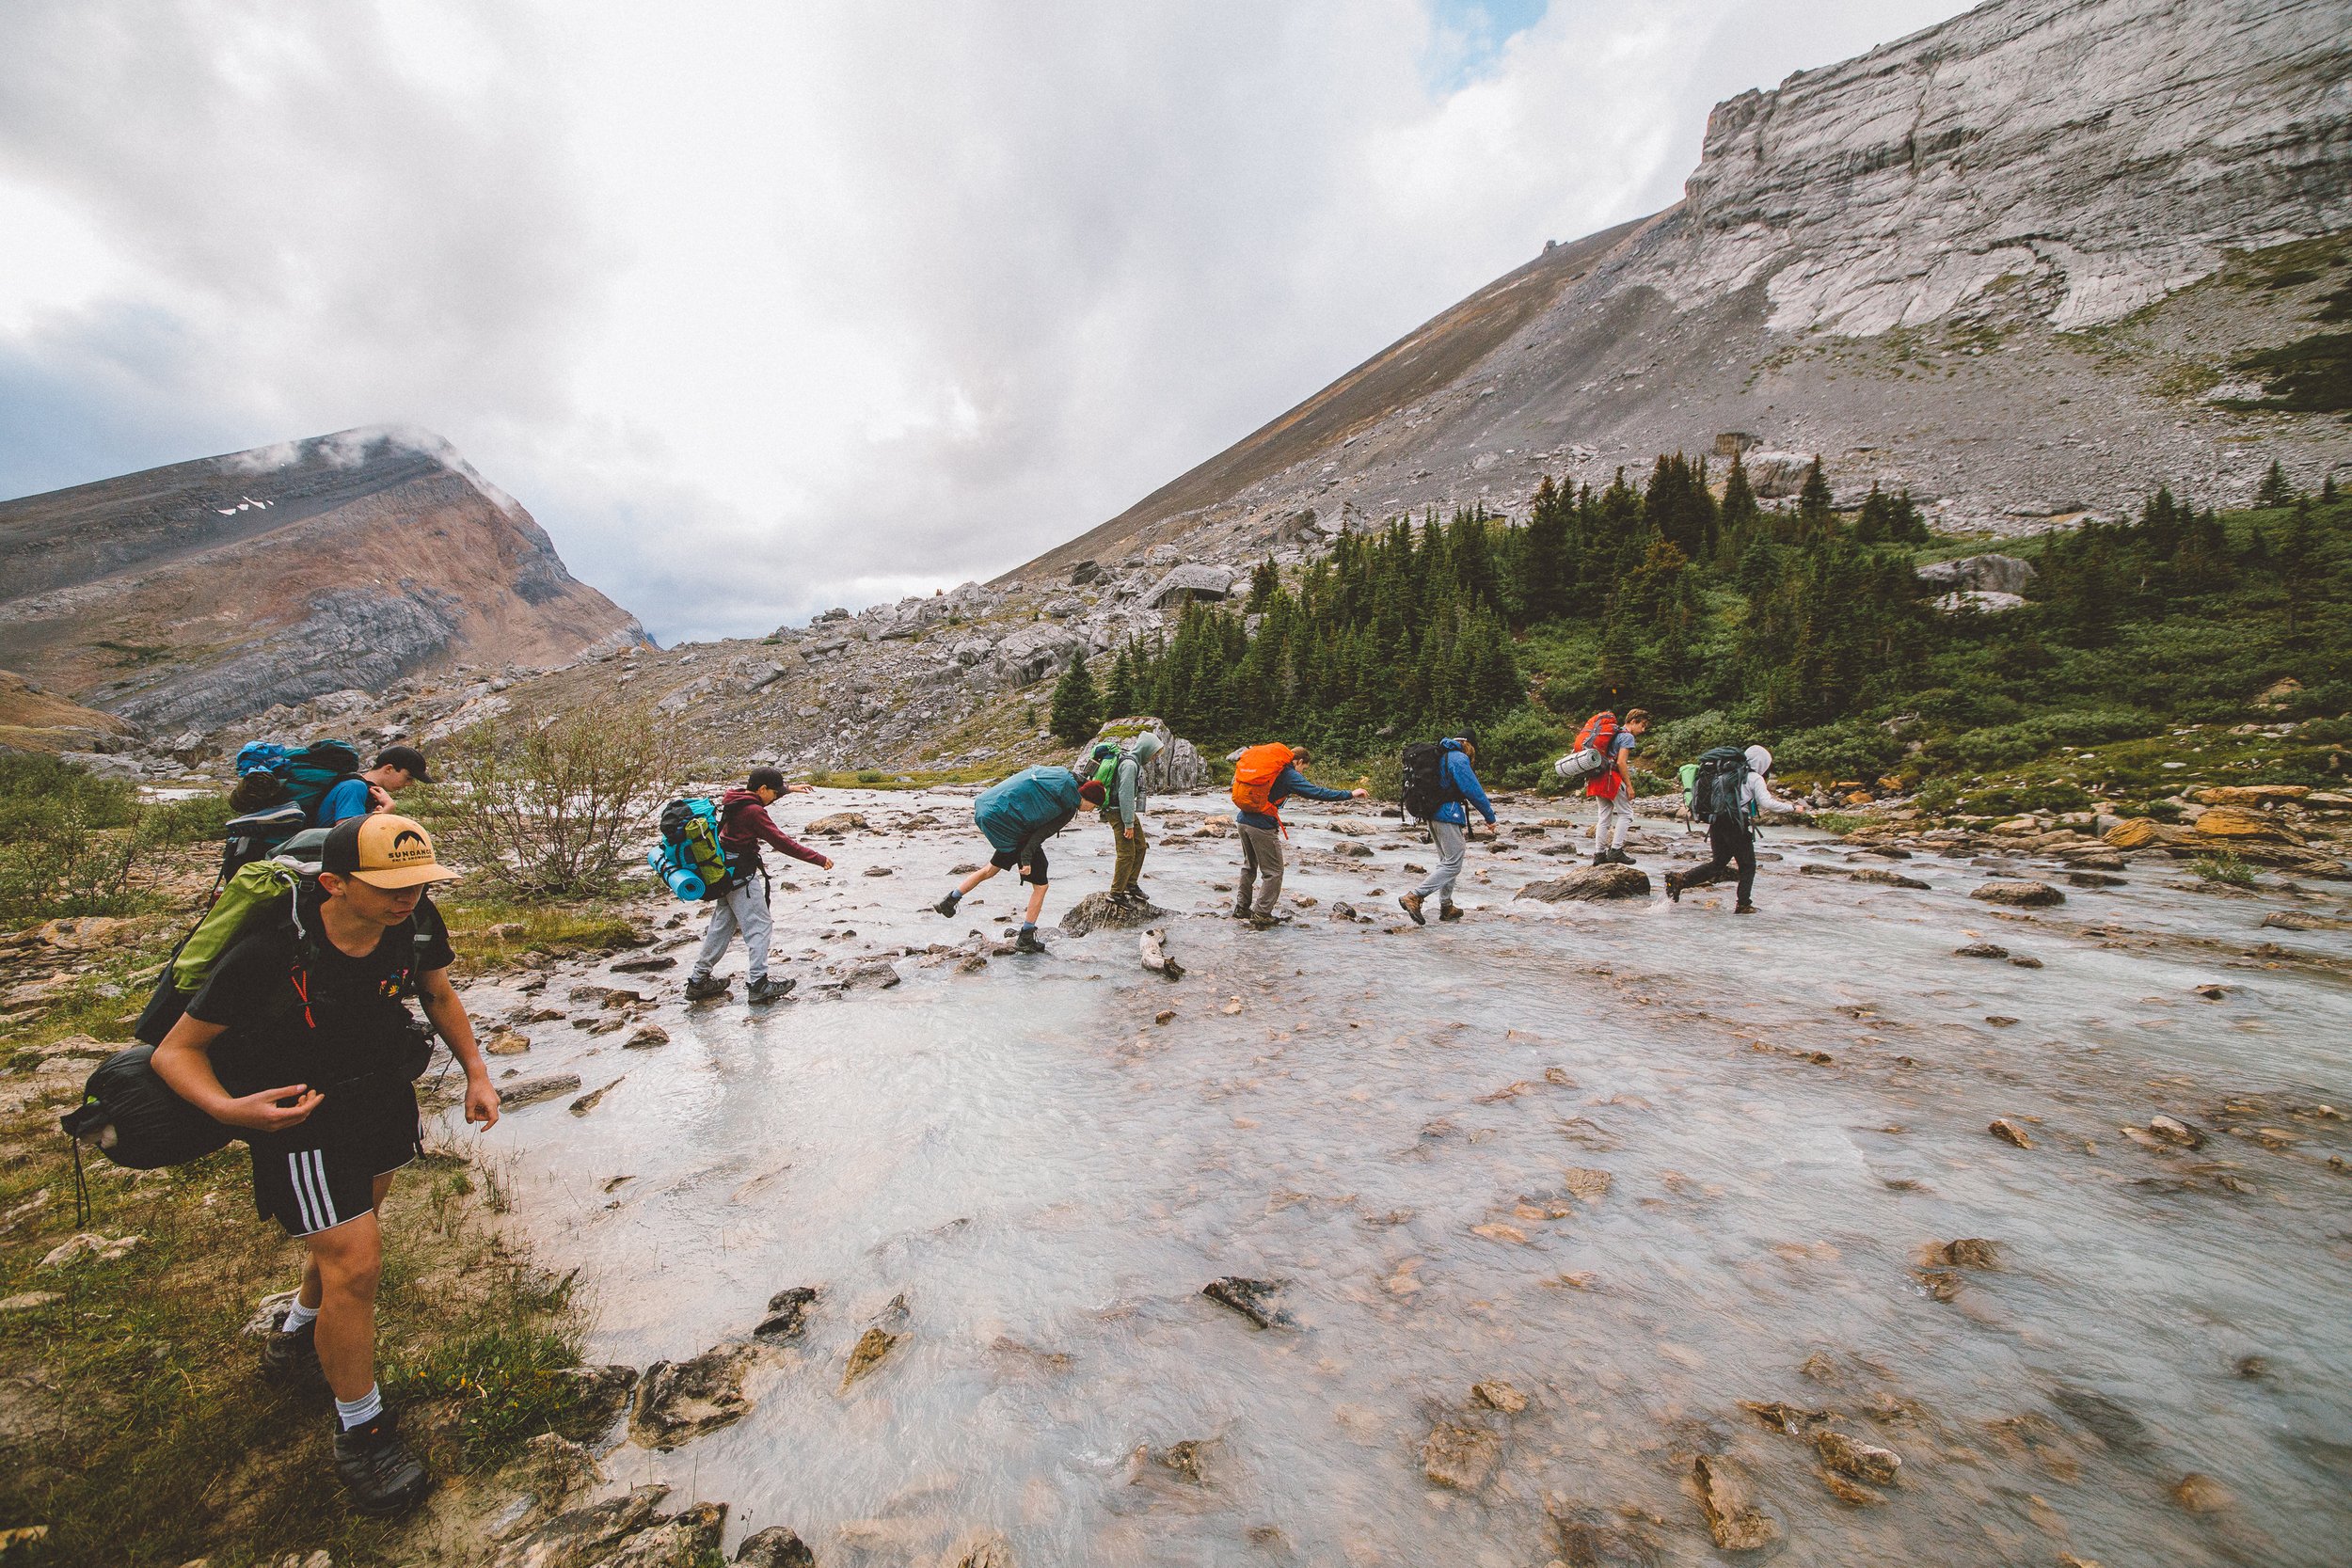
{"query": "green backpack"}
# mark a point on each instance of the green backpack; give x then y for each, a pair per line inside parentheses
(259, 890)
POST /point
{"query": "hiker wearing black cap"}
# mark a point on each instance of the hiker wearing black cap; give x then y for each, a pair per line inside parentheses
(302, 1041)
(744, 825)
(396, 768)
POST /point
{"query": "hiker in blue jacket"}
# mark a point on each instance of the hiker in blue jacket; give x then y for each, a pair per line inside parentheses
(1450, 830)
(1017, 816)
(396, 768)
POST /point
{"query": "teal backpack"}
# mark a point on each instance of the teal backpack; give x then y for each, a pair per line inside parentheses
(689, 857)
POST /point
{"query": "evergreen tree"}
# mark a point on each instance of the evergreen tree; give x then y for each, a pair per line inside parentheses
(1739, 512)
(1814, 515)
(2295, 554)
(1542, 571)
(2274, 490)
(1264, 581)
(1073, 715)
(1118, 696)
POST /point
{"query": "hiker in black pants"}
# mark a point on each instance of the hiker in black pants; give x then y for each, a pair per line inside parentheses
(302, 1041)
(1731, 795)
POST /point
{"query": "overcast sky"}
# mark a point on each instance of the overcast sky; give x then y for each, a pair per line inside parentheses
(764, 308)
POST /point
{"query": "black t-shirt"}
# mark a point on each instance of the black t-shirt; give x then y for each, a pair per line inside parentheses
(306, 1012)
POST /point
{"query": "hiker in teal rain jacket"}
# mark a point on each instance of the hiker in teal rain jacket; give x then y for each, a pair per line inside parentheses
(1017, 816)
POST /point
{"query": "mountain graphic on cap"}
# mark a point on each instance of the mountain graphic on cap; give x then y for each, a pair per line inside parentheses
(382, 850)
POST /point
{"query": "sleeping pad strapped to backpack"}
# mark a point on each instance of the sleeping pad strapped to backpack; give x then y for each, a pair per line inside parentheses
(690, 859)
(1592, 752)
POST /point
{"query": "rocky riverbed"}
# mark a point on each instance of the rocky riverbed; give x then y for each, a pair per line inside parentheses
(1893, 1224)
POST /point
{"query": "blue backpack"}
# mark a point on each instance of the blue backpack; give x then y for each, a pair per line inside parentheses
(690, 859)
(308, 773)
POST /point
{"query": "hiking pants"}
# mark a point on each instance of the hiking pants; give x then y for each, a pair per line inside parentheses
(1451, 844)
(1613, 818)
(745, 908)
(1733, 844)
(1128, 867)
(1260, 860)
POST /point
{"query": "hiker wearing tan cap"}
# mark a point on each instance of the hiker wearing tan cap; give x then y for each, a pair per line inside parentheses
(301, 1038)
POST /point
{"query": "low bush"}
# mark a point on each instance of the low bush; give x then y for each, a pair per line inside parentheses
(554, 805)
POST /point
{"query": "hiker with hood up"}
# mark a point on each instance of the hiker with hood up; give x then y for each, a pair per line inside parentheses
(1728, 790)
(1264, 777)
(1017, 816)
(1123, 808)
(741, 906)
(1450, 828)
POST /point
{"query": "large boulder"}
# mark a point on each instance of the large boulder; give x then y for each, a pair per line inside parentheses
(1176, 771)
(682, 1399)
(1100, 911)
(1036, 651)
(2017, 893)
(1979, 574)
(1587, 883)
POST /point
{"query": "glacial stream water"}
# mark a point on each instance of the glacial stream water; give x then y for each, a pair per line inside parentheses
(1640, 1162)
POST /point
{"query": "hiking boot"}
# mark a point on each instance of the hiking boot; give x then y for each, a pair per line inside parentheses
(1239, 912)
(1674, 887)
(1601, 857)
(377, 1469)
(291, 1360)
(1027, 942)
(1744, 909)
(947, 906)
(704, 988)
(1410, 904)
(766, 990)
(1447, 911)
(1618, 857)
(1267, 922)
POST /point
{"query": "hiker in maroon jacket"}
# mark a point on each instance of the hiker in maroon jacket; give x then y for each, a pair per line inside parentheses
(742, 905)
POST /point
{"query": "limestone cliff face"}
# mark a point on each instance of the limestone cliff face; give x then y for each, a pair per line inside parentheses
(190, 595)
(2097, 156)
(2011, 262)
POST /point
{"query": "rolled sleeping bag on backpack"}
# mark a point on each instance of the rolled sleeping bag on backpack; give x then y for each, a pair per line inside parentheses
(130, 1115)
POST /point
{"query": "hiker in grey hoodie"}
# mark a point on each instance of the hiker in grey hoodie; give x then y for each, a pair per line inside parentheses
(1731, 834)
(1124, 811)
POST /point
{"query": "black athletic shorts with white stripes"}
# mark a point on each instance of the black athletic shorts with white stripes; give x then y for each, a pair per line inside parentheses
(312, 1177)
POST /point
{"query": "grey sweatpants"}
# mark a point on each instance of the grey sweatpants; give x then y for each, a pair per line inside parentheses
(1451, 844)
(743, 908)
(1261, 858)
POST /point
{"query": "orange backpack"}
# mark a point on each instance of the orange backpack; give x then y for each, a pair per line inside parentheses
(1254, 773)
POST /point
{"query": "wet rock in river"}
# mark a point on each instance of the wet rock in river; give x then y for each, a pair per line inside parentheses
(2024, 961)
(506, 1042)
(588, 1103)
(837, 823)
(689, 1535)
(1497, 1395)
(1100, 911)
(1849, 1491)
(643, 966)
(582, 1536)
(874, 974)
(682, 1399)
(1981, 950)
(774, 1547)
(1967, 1252)
(517, 1093)
(1189, 1461)
(2093, 878)
(1258, 1299)
(603, 1394)
(646, 1038)
(1459, 1456)
(1854, 1459)
(1733, 1517)
(867, 1353)
(2201, 1493)
(1587, 883)
(1781, 1416)
(2017, 893)
(2009, 1132)
(2179, 1133)
(1878, 876)
(787, 1313)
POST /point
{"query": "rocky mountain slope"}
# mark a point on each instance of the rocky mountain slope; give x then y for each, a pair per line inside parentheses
(185, 597)
(2002, 261)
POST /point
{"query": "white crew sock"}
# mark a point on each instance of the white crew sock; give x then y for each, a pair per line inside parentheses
(359, 1412)
(299, 1317)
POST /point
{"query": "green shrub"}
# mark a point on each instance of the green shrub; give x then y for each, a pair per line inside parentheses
(1681, 739)
(2223, 865)
(1848, 750)
(1518, 752)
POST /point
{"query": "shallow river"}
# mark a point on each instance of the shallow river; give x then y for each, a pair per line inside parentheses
(1640, 1162)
